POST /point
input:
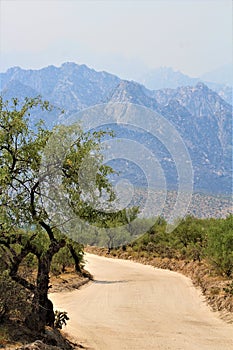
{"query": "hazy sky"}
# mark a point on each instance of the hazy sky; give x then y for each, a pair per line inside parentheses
(123, 37)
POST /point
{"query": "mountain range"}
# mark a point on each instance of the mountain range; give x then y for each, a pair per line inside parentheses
(165, 77)
(202, 116)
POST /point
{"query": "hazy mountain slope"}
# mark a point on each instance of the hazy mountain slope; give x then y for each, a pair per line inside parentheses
(70, 86)
(166, 77)
(202, 117)
(221, 75)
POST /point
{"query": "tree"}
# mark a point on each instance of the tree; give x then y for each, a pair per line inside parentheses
(115, 228)
(25, 222)
(190, 236)
(71, 254)
(220, 245)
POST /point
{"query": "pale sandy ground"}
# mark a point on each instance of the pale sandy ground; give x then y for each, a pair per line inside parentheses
(136, 307)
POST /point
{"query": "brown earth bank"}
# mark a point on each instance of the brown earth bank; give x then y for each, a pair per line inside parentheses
(14, 335)
(201, 274)
(68, 281)
(18, 337)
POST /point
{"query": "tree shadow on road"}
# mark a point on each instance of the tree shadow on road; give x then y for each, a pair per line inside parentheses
(110, 282)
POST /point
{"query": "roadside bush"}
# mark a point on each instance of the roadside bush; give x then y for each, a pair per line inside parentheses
(193, 239)
(61, 319)
(69, 256)
(61, 261)
(220, 246)
(189, 237)
(229, 288)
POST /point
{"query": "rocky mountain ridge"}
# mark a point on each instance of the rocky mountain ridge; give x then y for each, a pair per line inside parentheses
(168, 78)
(201, 116)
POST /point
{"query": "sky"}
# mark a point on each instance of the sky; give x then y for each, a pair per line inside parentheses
(126, 38)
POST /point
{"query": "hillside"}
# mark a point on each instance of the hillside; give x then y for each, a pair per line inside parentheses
(219, 81)
(200, 115)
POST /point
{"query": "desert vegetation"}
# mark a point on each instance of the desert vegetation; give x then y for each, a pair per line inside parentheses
(32, 245)
(199, 248)
(34, 250)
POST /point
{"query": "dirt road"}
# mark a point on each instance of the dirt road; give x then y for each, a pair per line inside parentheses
(136, 307)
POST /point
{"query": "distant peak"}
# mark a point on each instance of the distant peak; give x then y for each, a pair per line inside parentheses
(14, 69)
(68, 64)
(201, 86)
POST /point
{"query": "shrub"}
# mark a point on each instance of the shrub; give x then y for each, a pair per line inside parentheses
(60, 319)
(229, 288)
(61, 261)
(220, 246)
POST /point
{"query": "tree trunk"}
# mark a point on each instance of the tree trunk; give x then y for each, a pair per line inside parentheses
(42, 313)
(42, 308)
(76, 258)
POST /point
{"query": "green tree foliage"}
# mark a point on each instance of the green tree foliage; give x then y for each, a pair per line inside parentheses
(194, 239)
(156, 241)
(190, 237)
(115, 228)
(25, 223)
(220, 245)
